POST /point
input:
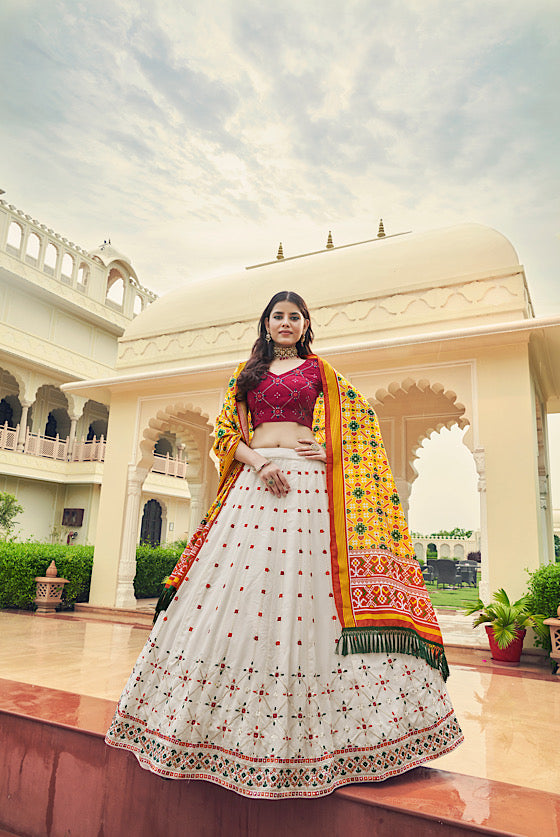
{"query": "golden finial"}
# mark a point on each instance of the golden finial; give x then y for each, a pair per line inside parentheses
(381, 230)
(280, 253)
(330, 245)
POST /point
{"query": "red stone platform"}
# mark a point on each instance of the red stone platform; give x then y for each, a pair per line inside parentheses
(59, 779)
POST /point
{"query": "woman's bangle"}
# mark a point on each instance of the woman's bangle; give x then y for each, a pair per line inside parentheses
(258, 468)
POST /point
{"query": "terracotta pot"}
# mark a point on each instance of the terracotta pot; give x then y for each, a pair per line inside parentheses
(510, 655)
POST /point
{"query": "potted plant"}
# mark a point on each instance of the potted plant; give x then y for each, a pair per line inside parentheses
(507, 626)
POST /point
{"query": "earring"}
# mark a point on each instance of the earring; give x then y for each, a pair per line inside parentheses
(268, 338)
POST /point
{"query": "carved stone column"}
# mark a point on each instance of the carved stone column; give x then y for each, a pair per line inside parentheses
(196, 506)
(72, 435)
(127, 562)
(25, 405)
(480, 462)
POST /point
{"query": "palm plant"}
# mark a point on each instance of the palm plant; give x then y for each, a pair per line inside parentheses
(507, 618)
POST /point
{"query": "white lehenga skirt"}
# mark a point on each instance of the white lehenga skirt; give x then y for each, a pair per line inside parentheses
(239, 682)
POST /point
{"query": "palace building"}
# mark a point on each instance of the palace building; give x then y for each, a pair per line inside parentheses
(108, 395)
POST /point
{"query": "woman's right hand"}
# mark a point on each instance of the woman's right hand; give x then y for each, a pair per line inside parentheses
(274, 479)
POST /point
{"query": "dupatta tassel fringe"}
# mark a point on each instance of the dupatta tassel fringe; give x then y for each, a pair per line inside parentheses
(392, 641)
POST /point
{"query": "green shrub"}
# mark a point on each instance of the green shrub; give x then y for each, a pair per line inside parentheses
(20, 563)
(544, 594)
(153, 564)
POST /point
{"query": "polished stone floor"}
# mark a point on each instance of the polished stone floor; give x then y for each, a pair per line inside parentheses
(73, 670)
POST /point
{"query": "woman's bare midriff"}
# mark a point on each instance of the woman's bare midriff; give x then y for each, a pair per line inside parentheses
(280, 434)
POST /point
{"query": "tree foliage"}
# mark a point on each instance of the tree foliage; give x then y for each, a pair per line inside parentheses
(457, 532)
(9, 510)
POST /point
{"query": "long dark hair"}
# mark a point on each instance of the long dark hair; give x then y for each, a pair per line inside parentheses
(262, 352)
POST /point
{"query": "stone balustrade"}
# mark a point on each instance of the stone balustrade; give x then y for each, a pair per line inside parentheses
(39, 247)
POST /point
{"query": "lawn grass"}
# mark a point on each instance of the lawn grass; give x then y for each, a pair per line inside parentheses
(457, 598)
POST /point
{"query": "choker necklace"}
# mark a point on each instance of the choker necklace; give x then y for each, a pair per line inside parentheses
(284, 352)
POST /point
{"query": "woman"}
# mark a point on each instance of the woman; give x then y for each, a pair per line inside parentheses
(303, 653)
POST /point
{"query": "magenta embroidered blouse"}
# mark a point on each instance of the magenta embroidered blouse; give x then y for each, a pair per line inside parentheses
(290, 396)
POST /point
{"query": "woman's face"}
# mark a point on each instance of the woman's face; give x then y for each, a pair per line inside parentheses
(286, 323)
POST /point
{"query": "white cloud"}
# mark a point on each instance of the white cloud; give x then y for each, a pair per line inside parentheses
(232, 125)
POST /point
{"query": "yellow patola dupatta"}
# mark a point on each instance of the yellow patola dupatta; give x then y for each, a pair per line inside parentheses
(381, 599)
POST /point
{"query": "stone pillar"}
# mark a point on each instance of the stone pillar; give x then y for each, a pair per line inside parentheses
(72, 435)
(507, 430)
(196, 507)
(484, 588)
(127, 562)
(25, 405)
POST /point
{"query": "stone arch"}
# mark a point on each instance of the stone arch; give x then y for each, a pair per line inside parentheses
(408, 412)
(115, 287)
(15, 237)
(151, 524)
(51, 258)
(33, 248)
(458, 551)
(163, 447)
(94, 420)
(433, 548)
(67, 268)
(181, 418)
(138, 306)
(444, 550)
(50, 399)
(83, 275)
(419, 551)
(58, 423)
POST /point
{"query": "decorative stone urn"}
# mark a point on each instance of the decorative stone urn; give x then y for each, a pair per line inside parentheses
(554, 626)
(49, 590)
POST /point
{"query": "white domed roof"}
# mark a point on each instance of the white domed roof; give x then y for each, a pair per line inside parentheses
(393, 264)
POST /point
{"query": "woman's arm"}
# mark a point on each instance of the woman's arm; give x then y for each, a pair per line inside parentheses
(270, 474)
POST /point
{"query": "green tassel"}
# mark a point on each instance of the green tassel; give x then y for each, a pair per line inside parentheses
(392, 641)
(166, 597)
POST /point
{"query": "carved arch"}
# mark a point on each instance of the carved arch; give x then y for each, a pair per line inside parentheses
(174, 418)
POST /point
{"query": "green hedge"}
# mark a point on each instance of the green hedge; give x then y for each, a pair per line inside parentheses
(153, 564)
(544, 593)
(20, 563)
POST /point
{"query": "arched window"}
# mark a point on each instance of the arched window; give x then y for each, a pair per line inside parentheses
(432, 551)
(138, 304)
(83, 276)
(33, 248)
(51, 426)
(115, 288)
(163, 447)
(97, 428)
(15, 235)
(58, 423)
(51, 256)
(67, 268)
(150, 530)
(6, 412)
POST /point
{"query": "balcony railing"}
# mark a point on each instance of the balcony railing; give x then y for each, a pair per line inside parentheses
(83, 450)
(52, 447)
(8, 437)
(167, 465)
(89, 450)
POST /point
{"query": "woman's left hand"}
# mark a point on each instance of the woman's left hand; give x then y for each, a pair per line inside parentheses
(311, 449)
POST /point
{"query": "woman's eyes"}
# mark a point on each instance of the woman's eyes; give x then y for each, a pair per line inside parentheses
(294, 317)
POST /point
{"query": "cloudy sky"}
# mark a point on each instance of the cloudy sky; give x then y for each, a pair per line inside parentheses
(197, 135)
